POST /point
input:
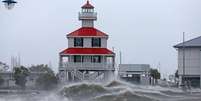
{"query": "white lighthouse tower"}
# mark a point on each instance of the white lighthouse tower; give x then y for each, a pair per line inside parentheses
(87, 15)
(87, 57)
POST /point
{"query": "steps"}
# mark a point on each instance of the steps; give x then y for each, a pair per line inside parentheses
(78, 74)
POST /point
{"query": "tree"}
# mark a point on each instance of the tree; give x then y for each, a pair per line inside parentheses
(20, 75)
(177, 78)
(47, 79)
(1, 80)
(155, 74)
(41, 68)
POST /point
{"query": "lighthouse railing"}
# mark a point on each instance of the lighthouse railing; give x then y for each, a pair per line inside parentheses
(86, 66)
(88, 15)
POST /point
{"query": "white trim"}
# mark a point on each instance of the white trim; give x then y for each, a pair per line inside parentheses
(106, 36)
(90, 47)
(87, 54)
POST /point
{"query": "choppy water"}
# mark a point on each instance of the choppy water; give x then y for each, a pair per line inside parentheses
(113, 91)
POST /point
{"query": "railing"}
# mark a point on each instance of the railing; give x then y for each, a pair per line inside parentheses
(99, 77)
(86, 66)
(88, 77)
(88, 15)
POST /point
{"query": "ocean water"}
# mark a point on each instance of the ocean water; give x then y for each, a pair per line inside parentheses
(112, 91)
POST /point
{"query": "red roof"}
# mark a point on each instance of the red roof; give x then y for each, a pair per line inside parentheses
(94, 51)
(88, 5)
(87, 31)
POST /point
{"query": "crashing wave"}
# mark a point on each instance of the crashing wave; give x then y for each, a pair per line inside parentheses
(83, 91)
(123, 96)
(100, 92)
(114, 83)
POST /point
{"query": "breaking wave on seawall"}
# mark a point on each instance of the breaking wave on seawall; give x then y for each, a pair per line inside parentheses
(112, 91)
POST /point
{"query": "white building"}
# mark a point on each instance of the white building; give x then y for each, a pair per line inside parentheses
(9, 81)
(135, 73)
(189, 61)
(87, 56)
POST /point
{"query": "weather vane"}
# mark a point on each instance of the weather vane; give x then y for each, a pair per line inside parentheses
(9, 4)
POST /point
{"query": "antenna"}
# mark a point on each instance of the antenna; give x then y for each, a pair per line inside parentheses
(50, 64)
(19, 60)
(11, 62)
(15, 61)
(113, 49)
(159, 66)
(120, 54)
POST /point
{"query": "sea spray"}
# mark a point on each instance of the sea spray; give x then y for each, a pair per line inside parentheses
(48, 96)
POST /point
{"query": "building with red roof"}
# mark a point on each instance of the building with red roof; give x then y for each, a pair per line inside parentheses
(87, 56)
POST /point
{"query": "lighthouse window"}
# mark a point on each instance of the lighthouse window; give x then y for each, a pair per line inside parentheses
(84, 10)
(87, 10)
(78, 42)
(77, 58)
(96, 59)
(96, 42)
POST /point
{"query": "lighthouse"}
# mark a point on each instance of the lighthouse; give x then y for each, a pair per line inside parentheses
(87, 57)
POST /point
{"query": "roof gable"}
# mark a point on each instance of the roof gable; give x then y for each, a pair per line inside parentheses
(196, 42)
(88, 5)
(87, 32)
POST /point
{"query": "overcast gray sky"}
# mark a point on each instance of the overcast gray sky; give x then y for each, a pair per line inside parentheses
(144, 30)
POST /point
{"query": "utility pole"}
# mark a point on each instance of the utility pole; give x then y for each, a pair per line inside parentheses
(200, 69)
(183, 77)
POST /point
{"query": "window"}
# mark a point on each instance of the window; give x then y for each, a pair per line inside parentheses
(87, 10)
(78, 42)
(77, 58)
(96, 42)
(96, 59)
